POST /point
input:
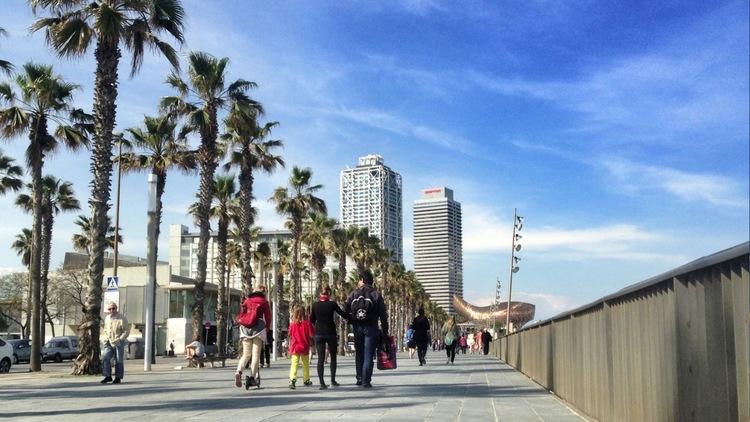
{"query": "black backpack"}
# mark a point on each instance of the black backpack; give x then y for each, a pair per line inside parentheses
(364, 306)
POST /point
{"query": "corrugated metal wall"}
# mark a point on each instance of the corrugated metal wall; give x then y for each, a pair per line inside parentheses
(671, 349)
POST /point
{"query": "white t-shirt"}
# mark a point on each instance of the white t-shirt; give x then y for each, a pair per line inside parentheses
(200, 350)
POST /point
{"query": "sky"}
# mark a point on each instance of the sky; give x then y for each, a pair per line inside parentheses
(619, 130)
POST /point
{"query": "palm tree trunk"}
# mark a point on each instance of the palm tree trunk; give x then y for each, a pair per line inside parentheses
(107, 56)
(295, 286)
(221, 264)
(208, 164)
(37, 133)
(47, 224)
(246, 216)
(29, 294)
(339, 292)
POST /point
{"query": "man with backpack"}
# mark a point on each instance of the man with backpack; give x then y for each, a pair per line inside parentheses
(366, 306)
(254, 319)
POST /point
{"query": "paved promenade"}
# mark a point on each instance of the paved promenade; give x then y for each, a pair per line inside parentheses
(473, 389)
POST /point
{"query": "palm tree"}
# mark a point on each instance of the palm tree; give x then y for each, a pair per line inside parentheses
(23, 246)
(160, 150)
(57, 196)
(5, 65)
(71, 30)
(251, 152)
(342, 245)
(9, 175)
(44, 98)
(82, 240)
(295, 202)
(225, 194)
(200, 99)
(364, 249)
(317, 236)
(261, 254)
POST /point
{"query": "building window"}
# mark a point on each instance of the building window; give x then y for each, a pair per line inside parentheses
(177, 304)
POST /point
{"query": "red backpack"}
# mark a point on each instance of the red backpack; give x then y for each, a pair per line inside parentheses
(248, 315)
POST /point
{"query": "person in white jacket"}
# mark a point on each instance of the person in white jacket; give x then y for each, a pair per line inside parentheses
(114, 335)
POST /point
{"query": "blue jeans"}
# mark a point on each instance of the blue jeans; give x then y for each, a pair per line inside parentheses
(366, 338)
(119, 352)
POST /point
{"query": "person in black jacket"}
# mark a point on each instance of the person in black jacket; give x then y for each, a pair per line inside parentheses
(325, 333)
(421, 327)
(486, 339)
(365, 306)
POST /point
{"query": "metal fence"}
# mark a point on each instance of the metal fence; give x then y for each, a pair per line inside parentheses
(671, 348)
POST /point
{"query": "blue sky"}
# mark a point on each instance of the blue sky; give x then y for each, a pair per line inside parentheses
(619, 130)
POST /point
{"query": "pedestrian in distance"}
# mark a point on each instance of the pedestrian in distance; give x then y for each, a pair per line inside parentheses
(470, 342)
(253, 320)
(366, 306)
(114, 336)
(322, 318)
(486, 339)
(462, 343)
(478, 341)
(300, 333)
(195, 351)
(450, 338)
(265, 354)
(421, 327)
(411, 345)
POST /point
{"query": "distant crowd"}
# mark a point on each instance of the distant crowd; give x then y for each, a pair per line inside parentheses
(364, 309)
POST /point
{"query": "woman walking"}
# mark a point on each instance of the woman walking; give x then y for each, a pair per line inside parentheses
(470, 342)
(257, 313)
(322, 317)
(450, 337)
(300, 332)
(421, 336)
(411, 345)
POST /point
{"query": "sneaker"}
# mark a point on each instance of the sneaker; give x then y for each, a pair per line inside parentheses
(448, 362)
(251, 382)
(307, 383)
(261, 365)
(367, 385)
(238, 379)
(323, 387)
(292, 384)
(106, 380)
(116, 381)
(334, 383)
(359, 382)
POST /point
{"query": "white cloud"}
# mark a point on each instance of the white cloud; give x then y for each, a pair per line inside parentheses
(485, 230)
(712, 189)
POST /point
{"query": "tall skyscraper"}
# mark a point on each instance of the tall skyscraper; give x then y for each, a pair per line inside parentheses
(438, 252)
(370, 197)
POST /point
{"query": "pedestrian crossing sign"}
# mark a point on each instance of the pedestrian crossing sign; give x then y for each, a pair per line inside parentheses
(113, 284)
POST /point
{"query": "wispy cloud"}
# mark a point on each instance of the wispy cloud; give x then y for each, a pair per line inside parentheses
(404, 127)
(484, 232)
(634, 178)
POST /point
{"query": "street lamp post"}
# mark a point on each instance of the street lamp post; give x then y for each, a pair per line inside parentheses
(515, 247)
(277, 291)
(117, 208)
(151, 264)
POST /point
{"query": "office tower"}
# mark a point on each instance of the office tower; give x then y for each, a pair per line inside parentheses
(438, 253)
(370, 197)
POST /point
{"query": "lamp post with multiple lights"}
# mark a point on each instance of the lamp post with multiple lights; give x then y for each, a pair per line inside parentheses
(515, 247)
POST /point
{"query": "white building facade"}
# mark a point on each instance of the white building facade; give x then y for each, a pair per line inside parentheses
(438, 250)
(370, 196)
(183, 253)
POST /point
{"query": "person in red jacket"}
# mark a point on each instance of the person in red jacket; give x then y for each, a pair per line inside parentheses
(300, 332)
(254, 336)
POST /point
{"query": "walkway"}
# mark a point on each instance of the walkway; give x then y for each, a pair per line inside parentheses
(474, 389)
